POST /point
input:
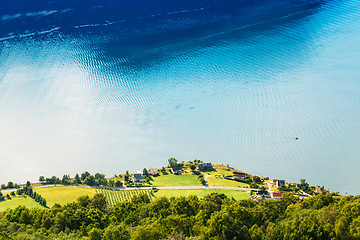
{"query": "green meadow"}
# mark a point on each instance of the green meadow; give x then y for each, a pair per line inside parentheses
(17, 201)
(218, 181)
(63, 195)
(171, 180)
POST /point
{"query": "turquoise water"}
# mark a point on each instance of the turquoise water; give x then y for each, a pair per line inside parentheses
(237, 93)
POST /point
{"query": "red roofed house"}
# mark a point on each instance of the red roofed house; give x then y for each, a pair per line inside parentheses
(276, 195)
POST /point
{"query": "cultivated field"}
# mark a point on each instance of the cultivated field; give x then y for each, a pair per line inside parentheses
(115, 196)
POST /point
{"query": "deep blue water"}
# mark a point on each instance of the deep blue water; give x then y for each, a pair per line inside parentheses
(111, 86)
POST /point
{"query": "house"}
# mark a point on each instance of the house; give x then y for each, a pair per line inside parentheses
(263, 194)
(204, 166)
(276, 195)
(138, 178)
(239, 176)
(153, 173)
(280, 183)
(176, 170)
(319, 189)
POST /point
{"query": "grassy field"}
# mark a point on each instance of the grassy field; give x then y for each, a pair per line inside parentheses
(217, 181)
(115, 196)
(221, 170)
(17, 201)
(201, 193)
(63, 195)
(171, 180)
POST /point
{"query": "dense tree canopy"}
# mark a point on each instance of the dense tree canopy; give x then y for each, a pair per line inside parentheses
(213, 217)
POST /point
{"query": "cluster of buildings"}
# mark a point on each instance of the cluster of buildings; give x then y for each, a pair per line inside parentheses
(261, 194)
(138, 177)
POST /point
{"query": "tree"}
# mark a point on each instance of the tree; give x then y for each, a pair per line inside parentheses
(77, 179)
(111, 183)
(118, 183)
(99, 176)
(10, 185)
(256, 179)
(116, 232)
(66, 179)
(146, 173)
(95, 234)
(172, 162)
(90, 180)
(127, 177)
(192, 167)
(3, 186)
(84, 175)
(149, 232)
(52, 180)
(304, 186)
(41, 179)
(98, 202)
(28, 183)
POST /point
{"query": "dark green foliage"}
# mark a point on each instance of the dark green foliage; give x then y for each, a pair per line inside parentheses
(213, 217)
(90, 180)
(118, 183)
(172, 162)
(306, 187)
(10, 185)
(28, 184)
(201, 179)
(66, 180)
(116, 232)
(95, 234)
(41, 179)
(84, 175)
(37, 197)
(146, 173)
(52, 180)
(77, 179)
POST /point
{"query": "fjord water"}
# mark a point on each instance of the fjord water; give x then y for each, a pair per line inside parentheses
(121, 86)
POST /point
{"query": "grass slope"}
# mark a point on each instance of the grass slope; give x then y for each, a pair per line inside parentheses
(217, 181)
(201, 193)
(171, 180)
(63, 195)
(17, 201)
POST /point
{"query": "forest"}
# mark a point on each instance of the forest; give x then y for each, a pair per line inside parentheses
(214, 216)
